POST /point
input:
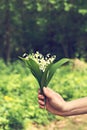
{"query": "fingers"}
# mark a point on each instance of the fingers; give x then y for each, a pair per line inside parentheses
(41, 104)
(40, 96)
(41, 100)
(48, 92)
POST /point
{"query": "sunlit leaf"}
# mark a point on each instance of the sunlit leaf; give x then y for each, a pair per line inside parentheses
(34, 68)
(55, 66)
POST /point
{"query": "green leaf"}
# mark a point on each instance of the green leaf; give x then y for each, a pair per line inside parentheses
(55, 66)
(24, 60)
(34, 68)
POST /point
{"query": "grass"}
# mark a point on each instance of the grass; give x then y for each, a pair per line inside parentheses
(18, 98)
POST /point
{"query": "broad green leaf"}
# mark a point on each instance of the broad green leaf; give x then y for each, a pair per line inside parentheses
(24, 60)
(55, 66)
(34, 68)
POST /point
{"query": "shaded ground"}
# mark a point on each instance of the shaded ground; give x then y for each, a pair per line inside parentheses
(67, 123)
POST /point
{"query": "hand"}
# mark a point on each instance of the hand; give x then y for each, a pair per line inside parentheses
(54, 102)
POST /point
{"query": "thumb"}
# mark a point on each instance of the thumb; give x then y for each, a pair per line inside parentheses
(47, 92)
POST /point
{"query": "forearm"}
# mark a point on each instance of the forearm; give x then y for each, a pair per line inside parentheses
(76, 107)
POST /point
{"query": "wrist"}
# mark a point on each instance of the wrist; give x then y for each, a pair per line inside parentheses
(67, 109)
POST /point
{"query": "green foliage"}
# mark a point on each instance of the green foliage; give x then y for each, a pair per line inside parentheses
(19, 89)
(56, 66)
(54, 26)
(43, 77)
(70, 83)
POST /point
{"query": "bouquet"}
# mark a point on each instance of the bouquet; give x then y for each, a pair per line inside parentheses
(42, 68)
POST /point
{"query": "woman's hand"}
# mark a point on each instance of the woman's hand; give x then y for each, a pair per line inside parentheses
(54, 102)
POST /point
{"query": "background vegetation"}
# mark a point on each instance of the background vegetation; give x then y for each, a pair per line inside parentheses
(49, 26)
(18, 94)
(55, 26)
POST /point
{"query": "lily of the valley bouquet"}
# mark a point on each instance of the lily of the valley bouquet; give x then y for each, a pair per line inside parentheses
(42, 68)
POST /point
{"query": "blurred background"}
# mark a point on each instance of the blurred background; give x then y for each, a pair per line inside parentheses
(55, 26)
(49, 26)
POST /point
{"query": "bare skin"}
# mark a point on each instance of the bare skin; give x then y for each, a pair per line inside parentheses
(58, 106)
